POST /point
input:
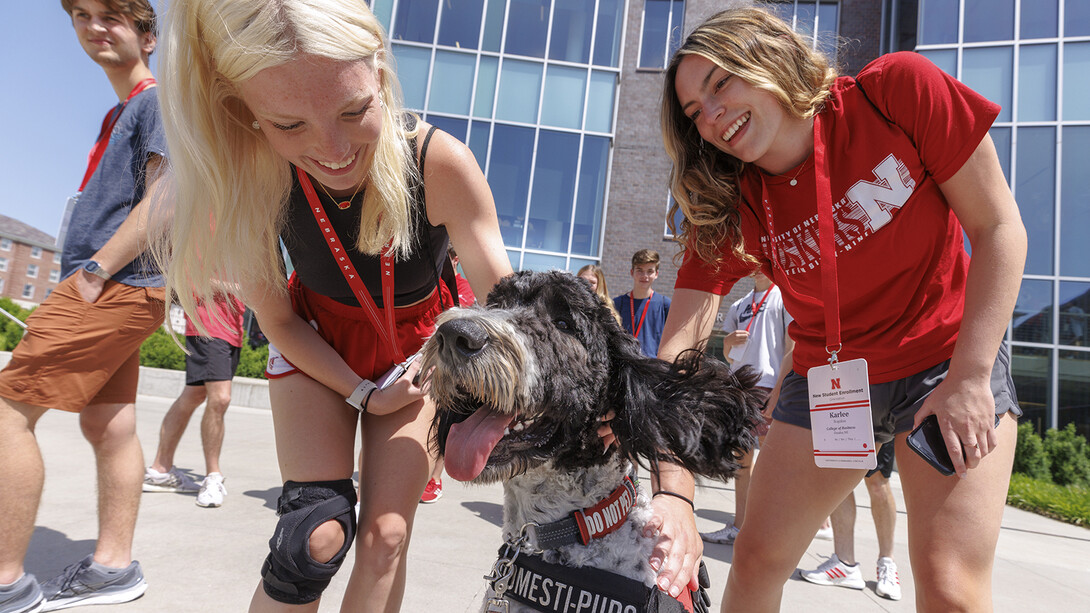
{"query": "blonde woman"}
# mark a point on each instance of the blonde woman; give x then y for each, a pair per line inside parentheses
(287, 122)
(769, 146)
(594, 275)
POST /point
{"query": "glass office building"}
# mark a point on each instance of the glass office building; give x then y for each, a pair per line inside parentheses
(530, 87)
(534, 87)
(1033, 57)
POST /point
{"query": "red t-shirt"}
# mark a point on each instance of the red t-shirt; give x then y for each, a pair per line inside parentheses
(228, 328)
(901, 262)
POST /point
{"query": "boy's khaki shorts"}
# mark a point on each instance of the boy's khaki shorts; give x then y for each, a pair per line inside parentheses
(74, 353)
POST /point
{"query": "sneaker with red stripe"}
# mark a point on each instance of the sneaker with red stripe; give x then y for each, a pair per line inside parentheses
(835, 572)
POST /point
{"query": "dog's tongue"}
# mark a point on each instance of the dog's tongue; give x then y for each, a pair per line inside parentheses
(469, 443)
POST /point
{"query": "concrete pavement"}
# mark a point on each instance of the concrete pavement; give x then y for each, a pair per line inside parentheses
(199, 560)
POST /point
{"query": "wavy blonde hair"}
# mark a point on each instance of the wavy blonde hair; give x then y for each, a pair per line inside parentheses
(229, 189)
(765, 52)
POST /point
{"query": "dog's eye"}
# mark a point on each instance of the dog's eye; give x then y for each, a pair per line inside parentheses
(564, 324)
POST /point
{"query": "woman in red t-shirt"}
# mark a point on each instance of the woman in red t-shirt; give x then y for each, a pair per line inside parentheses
(768, 146)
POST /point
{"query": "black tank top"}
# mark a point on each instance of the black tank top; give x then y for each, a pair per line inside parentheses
(414, 278)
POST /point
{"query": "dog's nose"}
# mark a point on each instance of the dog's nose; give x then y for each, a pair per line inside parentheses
(461, 338)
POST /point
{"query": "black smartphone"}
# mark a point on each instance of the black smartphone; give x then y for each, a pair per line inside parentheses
(927, 441)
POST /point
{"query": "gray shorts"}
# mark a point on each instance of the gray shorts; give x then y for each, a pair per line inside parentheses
(894, 404)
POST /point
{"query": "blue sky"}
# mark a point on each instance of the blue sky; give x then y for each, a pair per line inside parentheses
(53, 103)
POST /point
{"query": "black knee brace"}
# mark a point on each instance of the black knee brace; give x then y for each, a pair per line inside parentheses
(289, 574)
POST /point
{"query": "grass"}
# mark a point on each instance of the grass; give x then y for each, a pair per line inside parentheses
(1070, 503)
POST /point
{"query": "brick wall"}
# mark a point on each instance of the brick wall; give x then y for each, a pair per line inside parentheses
(15, 277)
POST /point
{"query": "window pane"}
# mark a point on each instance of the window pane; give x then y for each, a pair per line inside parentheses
(677, 18)
(460, 25)
(564, 92)
(600, 101)
(1076, 85)
(452, 82)
(989, 71)
(939, 22)
(828, 24)
(416, 20)
(1031, 369)
(1077, 18)
(509, 178)
(1074, 314)
(1040, 18)
(805, 16)
(574, 264)
(607, 36)
(526, 21)
(486, 86)
(1074, 392)
(1033, 312)
(493, 25)
(1037, 83)
(656, 24)
(516, 259)
(947, 60)
(383, 10)
(989, 20)
(478, 141)
(412, 72)
(520, 91)
(573, 21)
(783, 10)
(1075, 202)
(538, 261)
(1035, 191)
(590, 202)
(1002, 139)
(554, 191)
(450, 125)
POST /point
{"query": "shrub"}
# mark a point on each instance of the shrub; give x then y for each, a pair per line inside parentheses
(11, 332)
(1068, 457)
(251, 362)
(1069, 503)
(1030, 458)
(160, 351)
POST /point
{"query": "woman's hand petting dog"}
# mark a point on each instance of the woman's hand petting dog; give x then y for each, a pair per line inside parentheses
(677, 553)
(605, 431)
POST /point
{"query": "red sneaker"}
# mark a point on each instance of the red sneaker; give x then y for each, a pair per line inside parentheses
(432, 492)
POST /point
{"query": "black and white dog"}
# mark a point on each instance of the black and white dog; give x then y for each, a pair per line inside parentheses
(521, 387)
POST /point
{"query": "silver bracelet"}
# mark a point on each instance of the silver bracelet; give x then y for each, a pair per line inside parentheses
(361, 395)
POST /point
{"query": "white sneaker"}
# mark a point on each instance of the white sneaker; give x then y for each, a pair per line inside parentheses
(723, 536)
(824, 534)
(889, 584)
(212, 491)
(835, 572)
(173, 480)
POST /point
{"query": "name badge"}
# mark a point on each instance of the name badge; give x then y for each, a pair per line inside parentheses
(840, 415)
(736, 352)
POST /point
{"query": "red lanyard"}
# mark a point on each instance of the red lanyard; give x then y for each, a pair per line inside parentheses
(389, 331)
(755, 307)
(99, 149)
(826, 241)
(632, 312)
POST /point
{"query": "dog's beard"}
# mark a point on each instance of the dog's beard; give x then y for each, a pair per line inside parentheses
(493, 429)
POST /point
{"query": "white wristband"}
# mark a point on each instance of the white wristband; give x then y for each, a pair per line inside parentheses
(361, 395)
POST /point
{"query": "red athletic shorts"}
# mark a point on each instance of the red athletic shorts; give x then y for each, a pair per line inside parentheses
(350, 332)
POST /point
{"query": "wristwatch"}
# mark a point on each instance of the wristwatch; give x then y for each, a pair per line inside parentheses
(97, 270)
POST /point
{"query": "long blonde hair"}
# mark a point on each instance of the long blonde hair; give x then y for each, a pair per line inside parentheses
(229, 189)
(765, 52)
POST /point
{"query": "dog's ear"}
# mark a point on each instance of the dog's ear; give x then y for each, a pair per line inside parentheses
(695, 412)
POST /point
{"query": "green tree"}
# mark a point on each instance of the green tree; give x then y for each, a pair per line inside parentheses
(251, 362)
(11, 332)
(1030, 458)
(161, 351)
(1068, 457)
